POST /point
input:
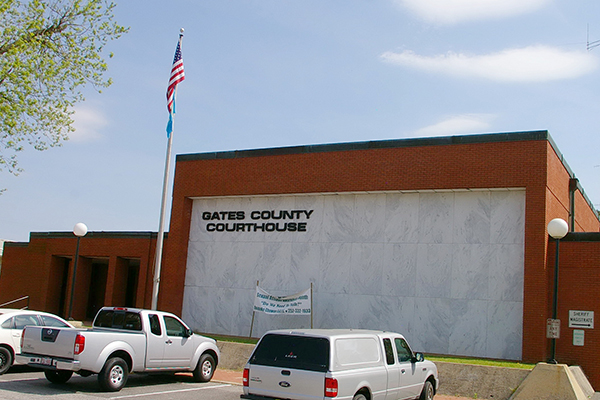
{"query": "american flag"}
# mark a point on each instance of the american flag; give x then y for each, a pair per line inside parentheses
(177, 75)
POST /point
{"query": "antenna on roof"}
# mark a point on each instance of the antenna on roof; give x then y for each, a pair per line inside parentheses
(591, 45)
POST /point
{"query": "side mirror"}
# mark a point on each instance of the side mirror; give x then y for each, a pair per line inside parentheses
(188, 333)
(418, 357)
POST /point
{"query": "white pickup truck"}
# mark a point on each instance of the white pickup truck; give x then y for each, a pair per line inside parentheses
(122, 340)
(345, 364)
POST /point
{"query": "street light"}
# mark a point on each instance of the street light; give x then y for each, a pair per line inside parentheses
(79, 230)
(557, 228)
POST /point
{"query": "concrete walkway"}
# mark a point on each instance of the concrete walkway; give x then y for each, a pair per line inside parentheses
(234, 377)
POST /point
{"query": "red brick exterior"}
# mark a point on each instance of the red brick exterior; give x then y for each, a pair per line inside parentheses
(579, 280)
(37, 269)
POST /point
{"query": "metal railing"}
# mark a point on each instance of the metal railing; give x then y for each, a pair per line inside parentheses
(16, 301)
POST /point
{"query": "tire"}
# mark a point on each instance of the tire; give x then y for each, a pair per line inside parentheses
(58, 377)
(6, 359)
(428, 392)
(205, 369)
(114, 375)
(359, 396)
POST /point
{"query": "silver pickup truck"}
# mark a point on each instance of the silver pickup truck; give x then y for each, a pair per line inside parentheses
(345, 364)
(122, 340)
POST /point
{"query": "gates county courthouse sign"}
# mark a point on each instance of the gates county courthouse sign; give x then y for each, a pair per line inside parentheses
(259, 221)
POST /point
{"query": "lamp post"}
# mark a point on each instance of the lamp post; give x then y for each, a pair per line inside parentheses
(557, 229)
(79, 230)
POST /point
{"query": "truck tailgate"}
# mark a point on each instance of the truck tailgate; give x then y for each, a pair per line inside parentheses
(285, 383)
(49, 341)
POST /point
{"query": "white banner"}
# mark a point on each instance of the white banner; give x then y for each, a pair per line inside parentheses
(296, 304)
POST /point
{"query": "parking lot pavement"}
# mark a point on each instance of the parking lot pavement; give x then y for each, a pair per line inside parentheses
(235, 378)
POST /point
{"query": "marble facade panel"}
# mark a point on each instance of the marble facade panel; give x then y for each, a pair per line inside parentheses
(469, 322)
(506, 273)
(505, 330)
(445, 269)
(436, 217)
(402, 217)
(471, 271)
(508, 216)
(338, 221)
(370, 218)
(472, 217)
(334, 276)
(434, 270)
(366, 268)
(399, 275)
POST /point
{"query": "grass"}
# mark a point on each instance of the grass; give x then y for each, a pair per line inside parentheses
(434, 358)
(235, 339)
(481, 361)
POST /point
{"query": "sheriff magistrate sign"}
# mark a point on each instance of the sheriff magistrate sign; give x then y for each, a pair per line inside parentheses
(581, 319)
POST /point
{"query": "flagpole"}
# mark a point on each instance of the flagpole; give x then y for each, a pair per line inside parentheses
(161, 224)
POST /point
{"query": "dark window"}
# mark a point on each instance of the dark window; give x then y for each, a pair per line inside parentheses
(155, 325)
(119, 319)
(404, 352)
(389, 351)
(289, 351)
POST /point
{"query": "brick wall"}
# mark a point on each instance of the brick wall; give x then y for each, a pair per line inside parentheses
(36, 269)
(530, 164)
(579, 280)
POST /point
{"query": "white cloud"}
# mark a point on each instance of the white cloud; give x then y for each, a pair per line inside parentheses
(528, 64)
(455, 11)
(88, 124)
(457, 125)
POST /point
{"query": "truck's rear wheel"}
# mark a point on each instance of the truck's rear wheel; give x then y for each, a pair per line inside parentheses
(205, 369)
(58, 376)
(6, 359)
(114, 375)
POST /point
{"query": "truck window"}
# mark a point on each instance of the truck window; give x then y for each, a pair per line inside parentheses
(289, 351)
(118, 319)
(404, 352)
(155, 324)
(174, 327)
(389, 351)
(357, 351)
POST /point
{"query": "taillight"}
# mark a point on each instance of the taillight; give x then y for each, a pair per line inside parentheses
(22, 336)
(246, 378)
(331, 387)
(79, 344)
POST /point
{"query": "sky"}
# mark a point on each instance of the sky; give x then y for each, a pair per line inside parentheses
(274, 73)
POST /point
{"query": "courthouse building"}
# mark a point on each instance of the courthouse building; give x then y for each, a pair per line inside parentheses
(442, 239)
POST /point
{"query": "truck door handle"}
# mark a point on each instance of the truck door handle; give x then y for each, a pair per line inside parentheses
(169, 341)
(403, 371)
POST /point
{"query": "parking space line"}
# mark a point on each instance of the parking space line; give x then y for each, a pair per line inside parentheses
(168, 391)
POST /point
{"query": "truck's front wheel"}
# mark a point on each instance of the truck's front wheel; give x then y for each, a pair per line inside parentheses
(114, 375)
(58, 377)
(205, 369)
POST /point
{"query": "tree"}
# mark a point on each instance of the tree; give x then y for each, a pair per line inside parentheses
(49, 51)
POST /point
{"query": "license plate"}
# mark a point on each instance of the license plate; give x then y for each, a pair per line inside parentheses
(43, 361)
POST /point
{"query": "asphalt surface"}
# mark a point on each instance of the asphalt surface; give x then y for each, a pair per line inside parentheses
(23, 382)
